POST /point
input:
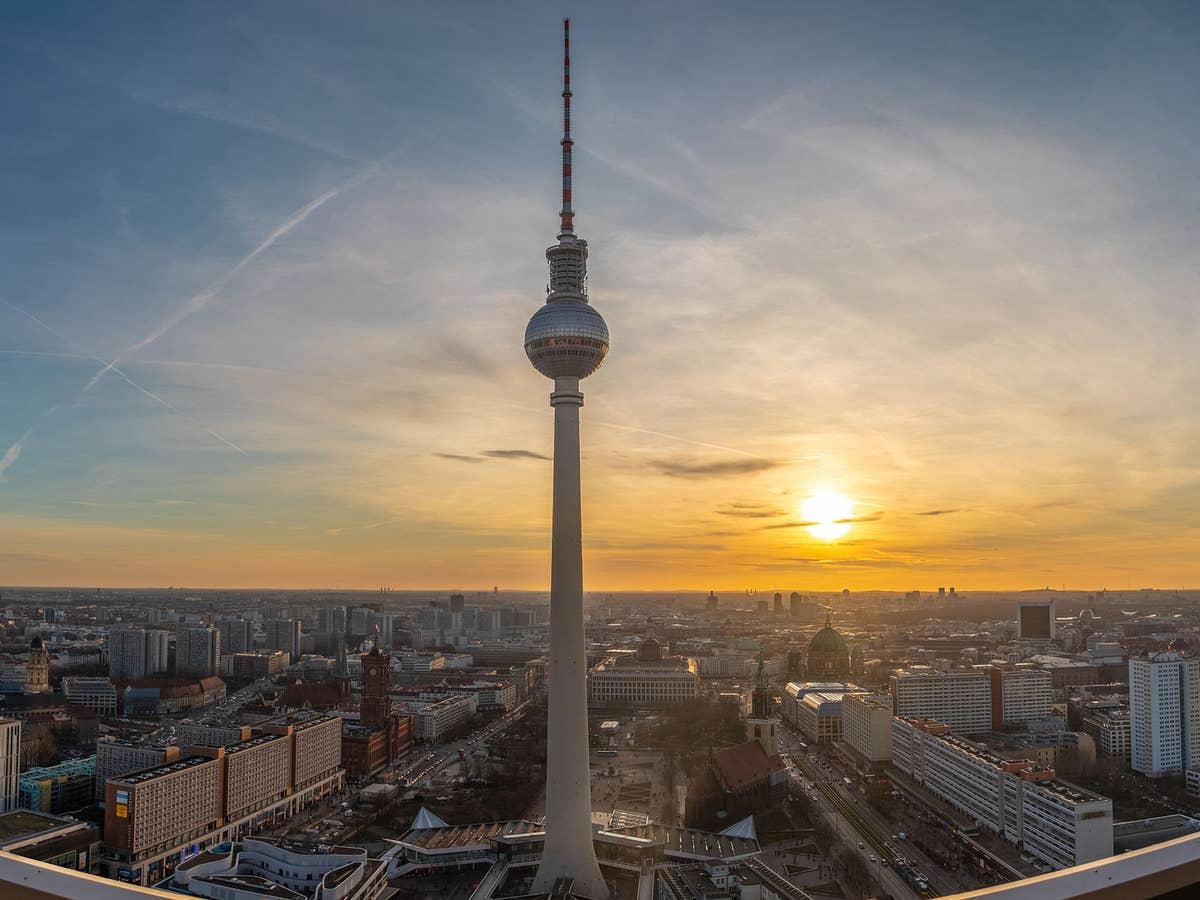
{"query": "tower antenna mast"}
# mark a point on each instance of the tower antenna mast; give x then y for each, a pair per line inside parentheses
(567, 215)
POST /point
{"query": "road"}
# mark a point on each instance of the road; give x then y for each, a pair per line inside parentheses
(853, 827)
(432, 762)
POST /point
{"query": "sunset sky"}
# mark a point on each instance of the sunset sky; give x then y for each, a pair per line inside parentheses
(938, 259)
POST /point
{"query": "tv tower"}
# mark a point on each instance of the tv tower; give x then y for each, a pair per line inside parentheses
(567, 340)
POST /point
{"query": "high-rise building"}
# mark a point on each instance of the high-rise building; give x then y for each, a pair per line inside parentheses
(960, 699)
(136, 652)
(237, 636)
(197, 650)
(1164, 714)
(1020, 695)
(115, 758)
(1035, 620)
(867, 727)
(567, 340)
(284, 634)
(778, 604)
(10, 764)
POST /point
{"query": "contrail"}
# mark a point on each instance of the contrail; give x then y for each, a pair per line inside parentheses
(199, 301)
(13, 453)
(91, 356)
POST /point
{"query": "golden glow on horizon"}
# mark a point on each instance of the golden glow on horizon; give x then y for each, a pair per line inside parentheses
(828, 511)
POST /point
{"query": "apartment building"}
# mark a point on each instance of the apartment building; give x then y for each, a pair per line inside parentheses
(1110, 729)
(136, 652)
(1055, 822)
(961, 699)
(1020, 694)
(155, 818)
(1164, 714)
(188, 735)
(116, 757)
(867, 728)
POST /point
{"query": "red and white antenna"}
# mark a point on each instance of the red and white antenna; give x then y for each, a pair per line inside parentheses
(567, 215)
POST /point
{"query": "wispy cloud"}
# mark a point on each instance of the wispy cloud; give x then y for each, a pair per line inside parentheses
(686, 468)
(513, 454)
(13, 453)
(750, 511)
(459, 457)
(939, 512)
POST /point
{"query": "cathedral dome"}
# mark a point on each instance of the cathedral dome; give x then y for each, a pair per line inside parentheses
(827, 640)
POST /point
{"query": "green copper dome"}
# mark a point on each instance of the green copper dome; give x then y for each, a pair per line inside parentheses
(827, 640)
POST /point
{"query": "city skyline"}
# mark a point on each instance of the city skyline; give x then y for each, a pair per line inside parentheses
(261, 311)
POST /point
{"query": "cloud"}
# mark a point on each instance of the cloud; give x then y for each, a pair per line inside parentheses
(788, 525)
(513, 454)
(682, 468)
(458, 457)
(938, 512)
(750, 511)
(873, 517)
(13, 453)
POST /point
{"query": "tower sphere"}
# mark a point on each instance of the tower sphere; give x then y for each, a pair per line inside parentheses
(566, 337)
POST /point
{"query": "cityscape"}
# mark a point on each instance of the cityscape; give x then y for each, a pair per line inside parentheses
(919, 668)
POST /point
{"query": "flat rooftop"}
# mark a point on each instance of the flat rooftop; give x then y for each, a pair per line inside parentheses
(24, 822)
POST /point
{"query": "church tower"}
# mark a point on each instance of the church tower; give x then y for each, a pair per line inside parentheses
(761, 724)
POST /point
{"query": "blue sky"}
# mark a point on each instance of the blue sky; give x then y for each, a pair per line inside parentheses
(937, 257)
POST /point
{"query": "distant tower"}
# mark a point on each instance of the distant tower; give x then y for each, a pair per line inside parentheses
(760, 726)
(37, 668)
(567, 340)
(375, 706)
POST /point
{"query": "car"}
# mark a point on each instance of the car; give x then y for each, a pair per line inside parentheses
(871, 858)
(862, 846)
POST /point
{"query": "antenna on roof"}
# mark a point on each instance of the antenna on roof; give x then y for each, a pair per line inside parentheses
(567, 224)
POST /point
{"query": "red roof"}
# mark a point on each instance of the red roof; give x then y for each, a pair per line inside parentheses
(745, 765)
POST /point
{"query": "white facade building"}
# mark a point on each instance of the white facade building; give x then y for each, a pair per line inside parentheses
(1053, 821)
(1164, 714)
(867, 726)
(1025, 695)
(960, 699)
(643, 684)
(10, 764)
(433, 719)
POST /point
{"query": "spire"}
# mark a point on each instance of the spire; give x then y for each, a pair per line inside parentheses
(828, 620)
(567, 215)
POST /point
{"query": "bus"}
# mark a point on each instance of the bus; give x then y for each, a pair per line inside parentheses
(606, 752)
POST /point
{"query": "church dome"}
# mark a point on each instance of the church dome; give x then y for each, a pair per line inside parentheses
(827, 640)
(650, 650)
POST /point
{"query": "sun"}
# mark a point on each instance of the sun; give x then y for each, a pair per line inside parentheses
(829, 512)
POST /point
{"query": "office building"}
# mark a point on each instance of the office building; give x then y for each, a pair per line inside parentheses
(960, 699)
(10, 764)
(434, 719)
(1052, 821)
(1110, 729)
(1035, 620)
(1164, 714)
(259, 664)
(1020, 695)
(237, 636)
(628, 681)
(819, 715)
(136, 652)
(284, 634)
(96, 693)
(197, 651)
(65, 787)
(867, 728)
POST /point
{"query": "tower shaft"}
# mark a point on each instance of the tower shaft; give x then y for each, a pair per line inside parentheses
(569, 851)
